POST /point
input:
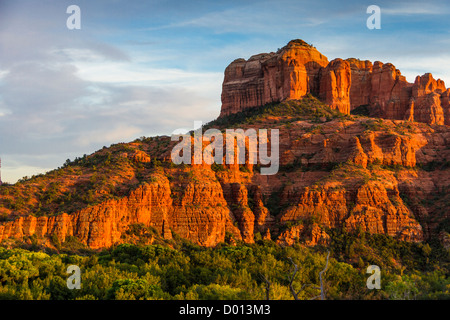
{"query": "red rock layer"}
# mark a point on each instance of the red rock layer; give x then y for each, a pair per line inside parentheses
(335, 82)
(199, 213)
(299, 69)
(208, 205)
(370, 208)
(290, 73)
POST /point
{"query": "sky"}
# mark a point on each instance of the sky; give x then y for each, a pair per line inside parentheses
(146, 68)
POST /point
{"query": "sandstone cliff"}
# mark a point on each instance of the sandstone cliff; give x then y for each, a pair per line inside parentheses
(290, 73)
(198, 212)
(345, 173)
(298, 69)
(337, 171)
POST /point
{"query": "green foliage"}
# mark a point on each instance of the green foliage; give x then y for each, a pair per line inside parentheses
(308, 108)
(362, 110)
(188, 271)
(434, 165)
(388, 253)
(375, 125)
(217, 167)
(130, 289)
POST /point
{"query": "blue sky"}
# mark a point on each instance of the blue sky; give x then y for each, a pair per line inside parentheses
(143, 68)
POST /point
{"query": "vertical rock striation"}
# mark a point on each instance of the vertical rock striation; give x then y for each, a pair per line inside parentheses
(271, 77)
(299, 69)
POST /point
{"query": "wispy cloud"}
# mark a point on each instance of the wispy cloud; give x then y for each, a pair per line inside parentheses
(254, 17)
(411, 8)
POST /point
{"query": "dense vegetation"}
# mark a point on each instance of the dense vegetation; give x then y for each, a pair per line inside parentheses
(309, 108)
(178, 269)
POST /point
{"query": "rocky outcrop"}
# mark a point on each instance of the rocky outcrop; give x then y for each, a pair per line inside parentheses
(140, 156)
(335, 82)
(205, 205)
(361, 86)
(299, 69)
(370, 208)
(237, 195)
(445, 104)
(378, 210)
(290, 73)
(312, 235)
(427, 100)
(198, 213)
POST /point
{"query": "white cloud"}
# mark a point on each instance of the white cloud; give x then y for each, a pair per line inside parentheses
(16, 166)
(3, 73)
(64, 96)
(422, 8)
(12, 174)
(131, 73)
(438, 66)
(119, 133)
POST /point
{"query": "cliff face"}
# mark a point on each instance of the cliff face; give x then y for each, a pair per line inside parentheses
(377, 188)
(299, 69)
(198, 213)
(369, 208)
(429, 100)
(291, 73)
(335, 83)
(350, 173)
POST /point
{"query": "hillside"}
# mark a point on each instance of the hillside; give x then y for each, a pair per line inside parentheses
(338, 171)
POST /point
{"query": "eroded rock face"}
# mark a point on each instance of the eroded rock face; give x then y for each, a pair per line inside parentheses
(290, 73)
(201, 216)
(370, 208)
(360, 89)
(209, 205)
(335, 82)
(313, 235)
(427, 100)
(299, 69)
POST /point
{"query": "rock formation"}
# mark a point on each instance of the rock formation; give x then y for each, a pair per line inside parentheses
(425, 104)
(299, 69)
(210, 204)
(335, 82)
(336, 172)
(290, 73)
(199, 215)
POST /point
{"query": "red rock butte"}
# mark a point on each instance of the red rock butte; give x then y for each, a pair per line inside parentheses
(348, 173)
(299, 69)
